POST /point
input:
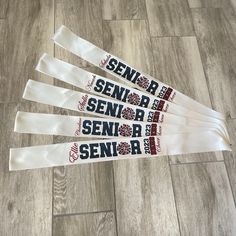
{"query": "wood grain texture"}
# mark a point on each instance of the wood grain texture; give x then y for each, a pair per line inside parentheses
(3, 8)
(84, 188)
(83, 17)
(99, 224)
(144, 197)
(2, 32)
(25, 198)
(122, 9)
(25, 39)
(178, 64)
(204, 200)
(211, 3)
(216, 32)
(230, 157)
(169, 18)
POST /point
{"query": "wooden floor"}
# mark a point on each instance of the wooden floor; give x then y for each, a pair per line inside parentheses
(190, 45)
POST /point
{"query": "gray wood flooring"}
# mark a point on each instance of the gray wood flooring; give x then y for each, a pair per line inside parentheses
(187, 44)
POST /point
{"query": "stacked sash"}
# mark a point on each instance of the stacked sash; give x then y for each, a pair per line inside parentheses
(139, 118)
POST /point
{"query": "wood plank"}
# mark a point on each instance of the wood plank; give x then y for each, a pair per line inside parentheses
(211, 3)
(2, 32)
(196, 157)
(92, 184)
(83, 188)
(169, 18)
(204, 199)
(121, 9)
(216, 33)
(3, 8)
(100, 224)
(144, 198)
(178, 64)
(83, 17)
(230, 157)
(29, 27)
(26, 196)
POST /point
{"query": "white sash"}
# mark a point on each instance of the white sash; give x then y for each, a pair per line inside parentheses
(80, 126)
(114, 149)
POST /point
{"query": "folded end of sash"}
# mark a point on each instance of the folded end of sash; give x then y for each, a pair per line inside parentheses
(33, 89)
(17, 120)
(225, 144)
(41, 62)
(12, 164)
(59, 30)
(25, 159)
(63, 36)
(16, 163)
(26, 90)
